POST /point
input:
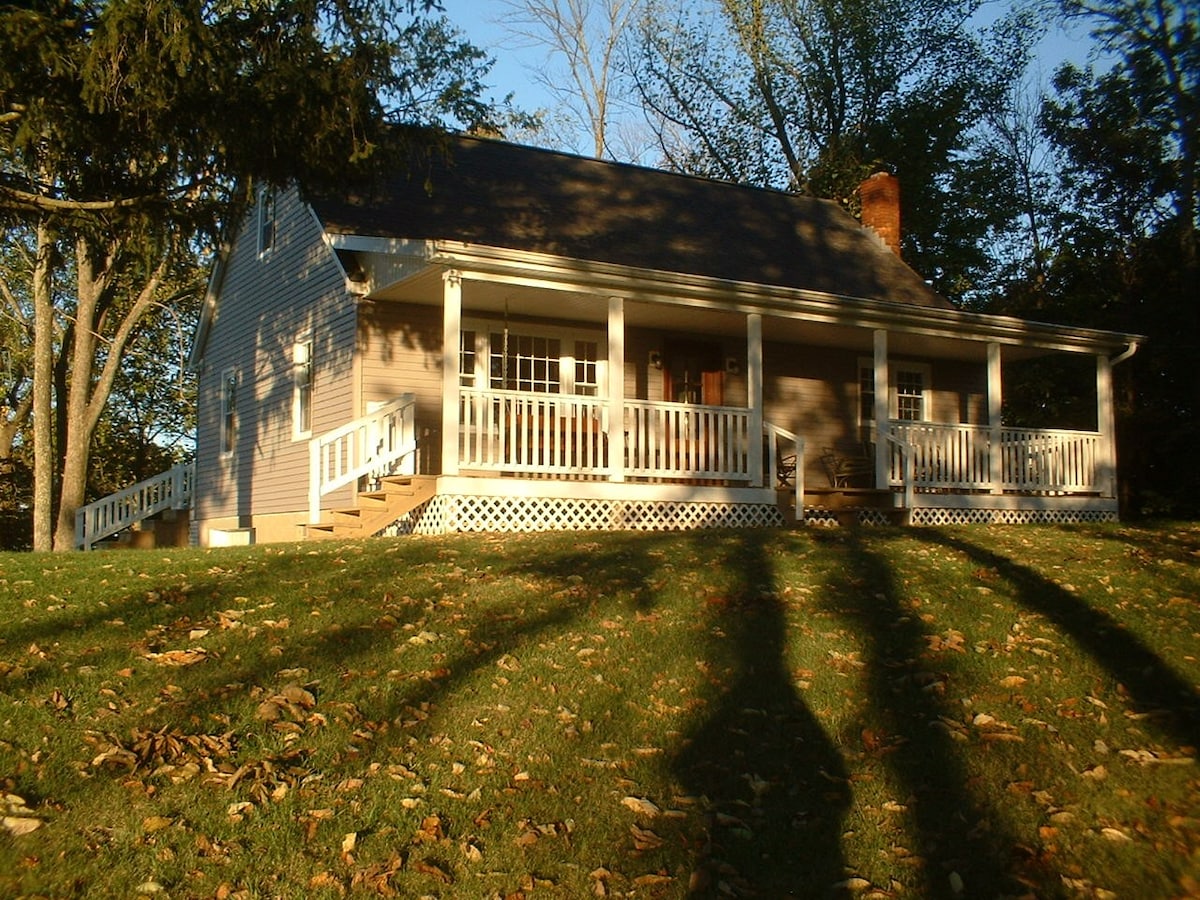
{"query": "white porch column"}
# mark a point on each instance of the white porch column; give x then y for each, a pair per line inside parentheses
(616, 389)
(882, 409)
(1106, 456)
(451, 340)
(754, 391)
(995, 400)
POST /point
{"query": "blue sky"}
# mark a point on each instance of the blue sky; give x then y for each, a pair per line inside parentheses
(479, 21)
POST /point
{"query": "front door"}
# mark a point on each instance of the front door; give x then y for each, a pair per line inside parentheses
(694, 373)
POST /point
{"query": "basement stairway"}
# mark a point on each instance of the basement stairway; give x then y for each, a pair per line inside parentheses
(397, 495)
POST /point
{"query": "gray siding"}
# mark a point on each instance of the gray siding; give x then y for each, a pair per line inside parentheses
(264, 304)
(400, 352)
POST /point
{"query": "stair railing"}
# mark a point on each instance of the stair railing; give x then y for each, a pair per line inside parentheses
(383, 441)
(116, 512)
(774, 434)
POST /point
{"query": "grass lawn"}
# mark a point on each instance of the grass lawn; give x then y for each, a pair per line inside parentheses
(876, 713)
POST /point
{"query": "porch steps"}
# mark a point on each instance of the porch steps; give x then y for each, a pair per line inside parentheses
(376, 510)
(845, 504)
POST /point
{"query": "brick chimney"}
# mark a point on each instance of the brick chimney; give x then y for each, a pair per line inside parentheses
(880, 197)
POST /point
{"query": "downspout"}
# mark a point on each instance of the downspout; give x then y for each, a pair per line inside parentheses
(1125, 354)
(1106, 418)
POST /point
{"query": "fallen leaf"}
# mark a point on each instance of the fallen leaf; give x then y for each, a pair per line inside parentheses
(652, 879)
(433, 870)
(641, 806)
(644, 838)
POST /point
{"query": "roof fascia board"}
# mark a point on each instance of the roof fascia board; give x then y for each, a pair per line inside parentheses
(208, 309)
(367, 244)
(607, 279)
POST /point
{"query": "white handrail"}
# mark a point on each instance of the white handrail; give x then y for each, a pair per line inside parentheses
(116, 512)
(907, 470)
(774, 432)
(371, 444)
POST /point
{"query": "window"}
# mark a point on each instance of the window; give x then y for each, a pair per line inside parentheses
(229, 386)
(266, 221)
(910, 395)
(587, 368)
(908, 398)
(525, 362)
(554, 361)
(302, 387)
(467, 354)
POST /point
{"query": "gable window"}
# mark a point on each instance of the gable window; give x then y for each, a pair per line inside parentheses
(229, 418)
(266, 221)
(302, 387)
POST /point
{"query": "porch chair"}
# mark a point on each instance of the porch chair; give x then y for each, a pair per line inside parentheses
(848, 471)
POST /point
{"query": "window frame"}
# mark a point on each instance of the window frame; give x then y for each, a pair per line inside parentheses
(266, 218)
(866, 375)
(566, 361)
(303, 383)
(230, 387)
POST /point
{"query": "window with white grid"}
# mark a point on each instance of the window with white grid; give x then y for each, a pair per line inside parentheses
(466, 359)
(910, 395)
(587, 368)
(525, 362)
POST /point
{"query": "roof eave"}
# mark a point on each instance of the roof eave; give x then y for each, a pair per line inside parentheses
(610, 279)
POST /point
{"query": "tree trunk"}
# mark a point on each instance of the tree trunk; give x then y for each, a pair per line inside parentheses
(91, 282)
(43, 374)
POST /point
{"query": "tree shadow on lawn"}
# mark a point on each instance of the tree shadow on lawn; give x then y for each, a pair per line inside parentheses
(957, 832)
(775, 785)
(1152, 685)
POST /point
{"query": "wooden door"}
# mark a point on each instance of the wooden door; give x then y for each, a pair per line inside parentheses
(694, 373)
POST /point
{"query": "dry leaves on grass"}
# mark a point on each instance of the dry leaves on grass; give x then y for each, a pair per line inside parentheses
(187, 657)
(16, 817)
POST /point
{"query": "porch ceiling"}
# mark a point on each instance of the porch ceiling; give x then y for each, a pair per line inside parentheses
(523, 302)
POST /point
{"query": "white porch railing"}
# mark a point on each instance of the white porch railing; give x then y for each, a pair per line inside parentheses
(515, 431)
(116, 512)
(382, 442)
(960, 457)
(557, 434)
(675, 440)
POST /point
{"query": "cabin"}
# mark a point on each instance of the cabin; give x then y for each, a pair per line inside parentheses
(514, 339)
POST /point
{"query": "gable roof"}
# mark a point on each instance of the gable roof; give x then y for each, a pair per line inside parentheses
(498, 194)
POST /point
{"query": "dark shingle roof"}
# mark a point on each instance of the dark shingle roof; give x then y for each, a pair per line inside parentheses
(504, 195)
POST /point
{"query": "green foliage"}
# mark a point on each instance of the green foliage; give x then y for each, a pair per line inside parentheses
(815, 95)
(880, 712)
(1121, 252)
(133, 133)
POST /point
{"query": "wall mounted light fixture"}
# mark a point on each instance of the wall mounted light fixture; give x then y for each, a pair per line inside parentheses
(655, 359)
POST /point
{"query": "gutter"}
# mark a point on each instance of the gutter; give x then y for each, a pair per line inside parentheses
(653, 285)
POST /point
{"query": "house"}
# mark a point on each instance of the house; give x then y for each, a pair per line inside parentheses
(518, 339)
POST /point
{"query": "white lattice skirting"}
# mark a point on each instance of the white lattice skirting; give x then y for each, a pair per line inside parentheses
(447, 513)
(936, 516)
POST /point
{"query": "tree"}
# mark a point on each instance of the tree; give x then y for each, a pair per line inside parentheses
(1126, 226)
(132, 133)
(815, 95)
(585, 37)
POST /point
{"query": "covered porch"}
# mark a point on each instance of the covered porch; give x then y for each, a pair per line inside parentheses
(598, 410)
